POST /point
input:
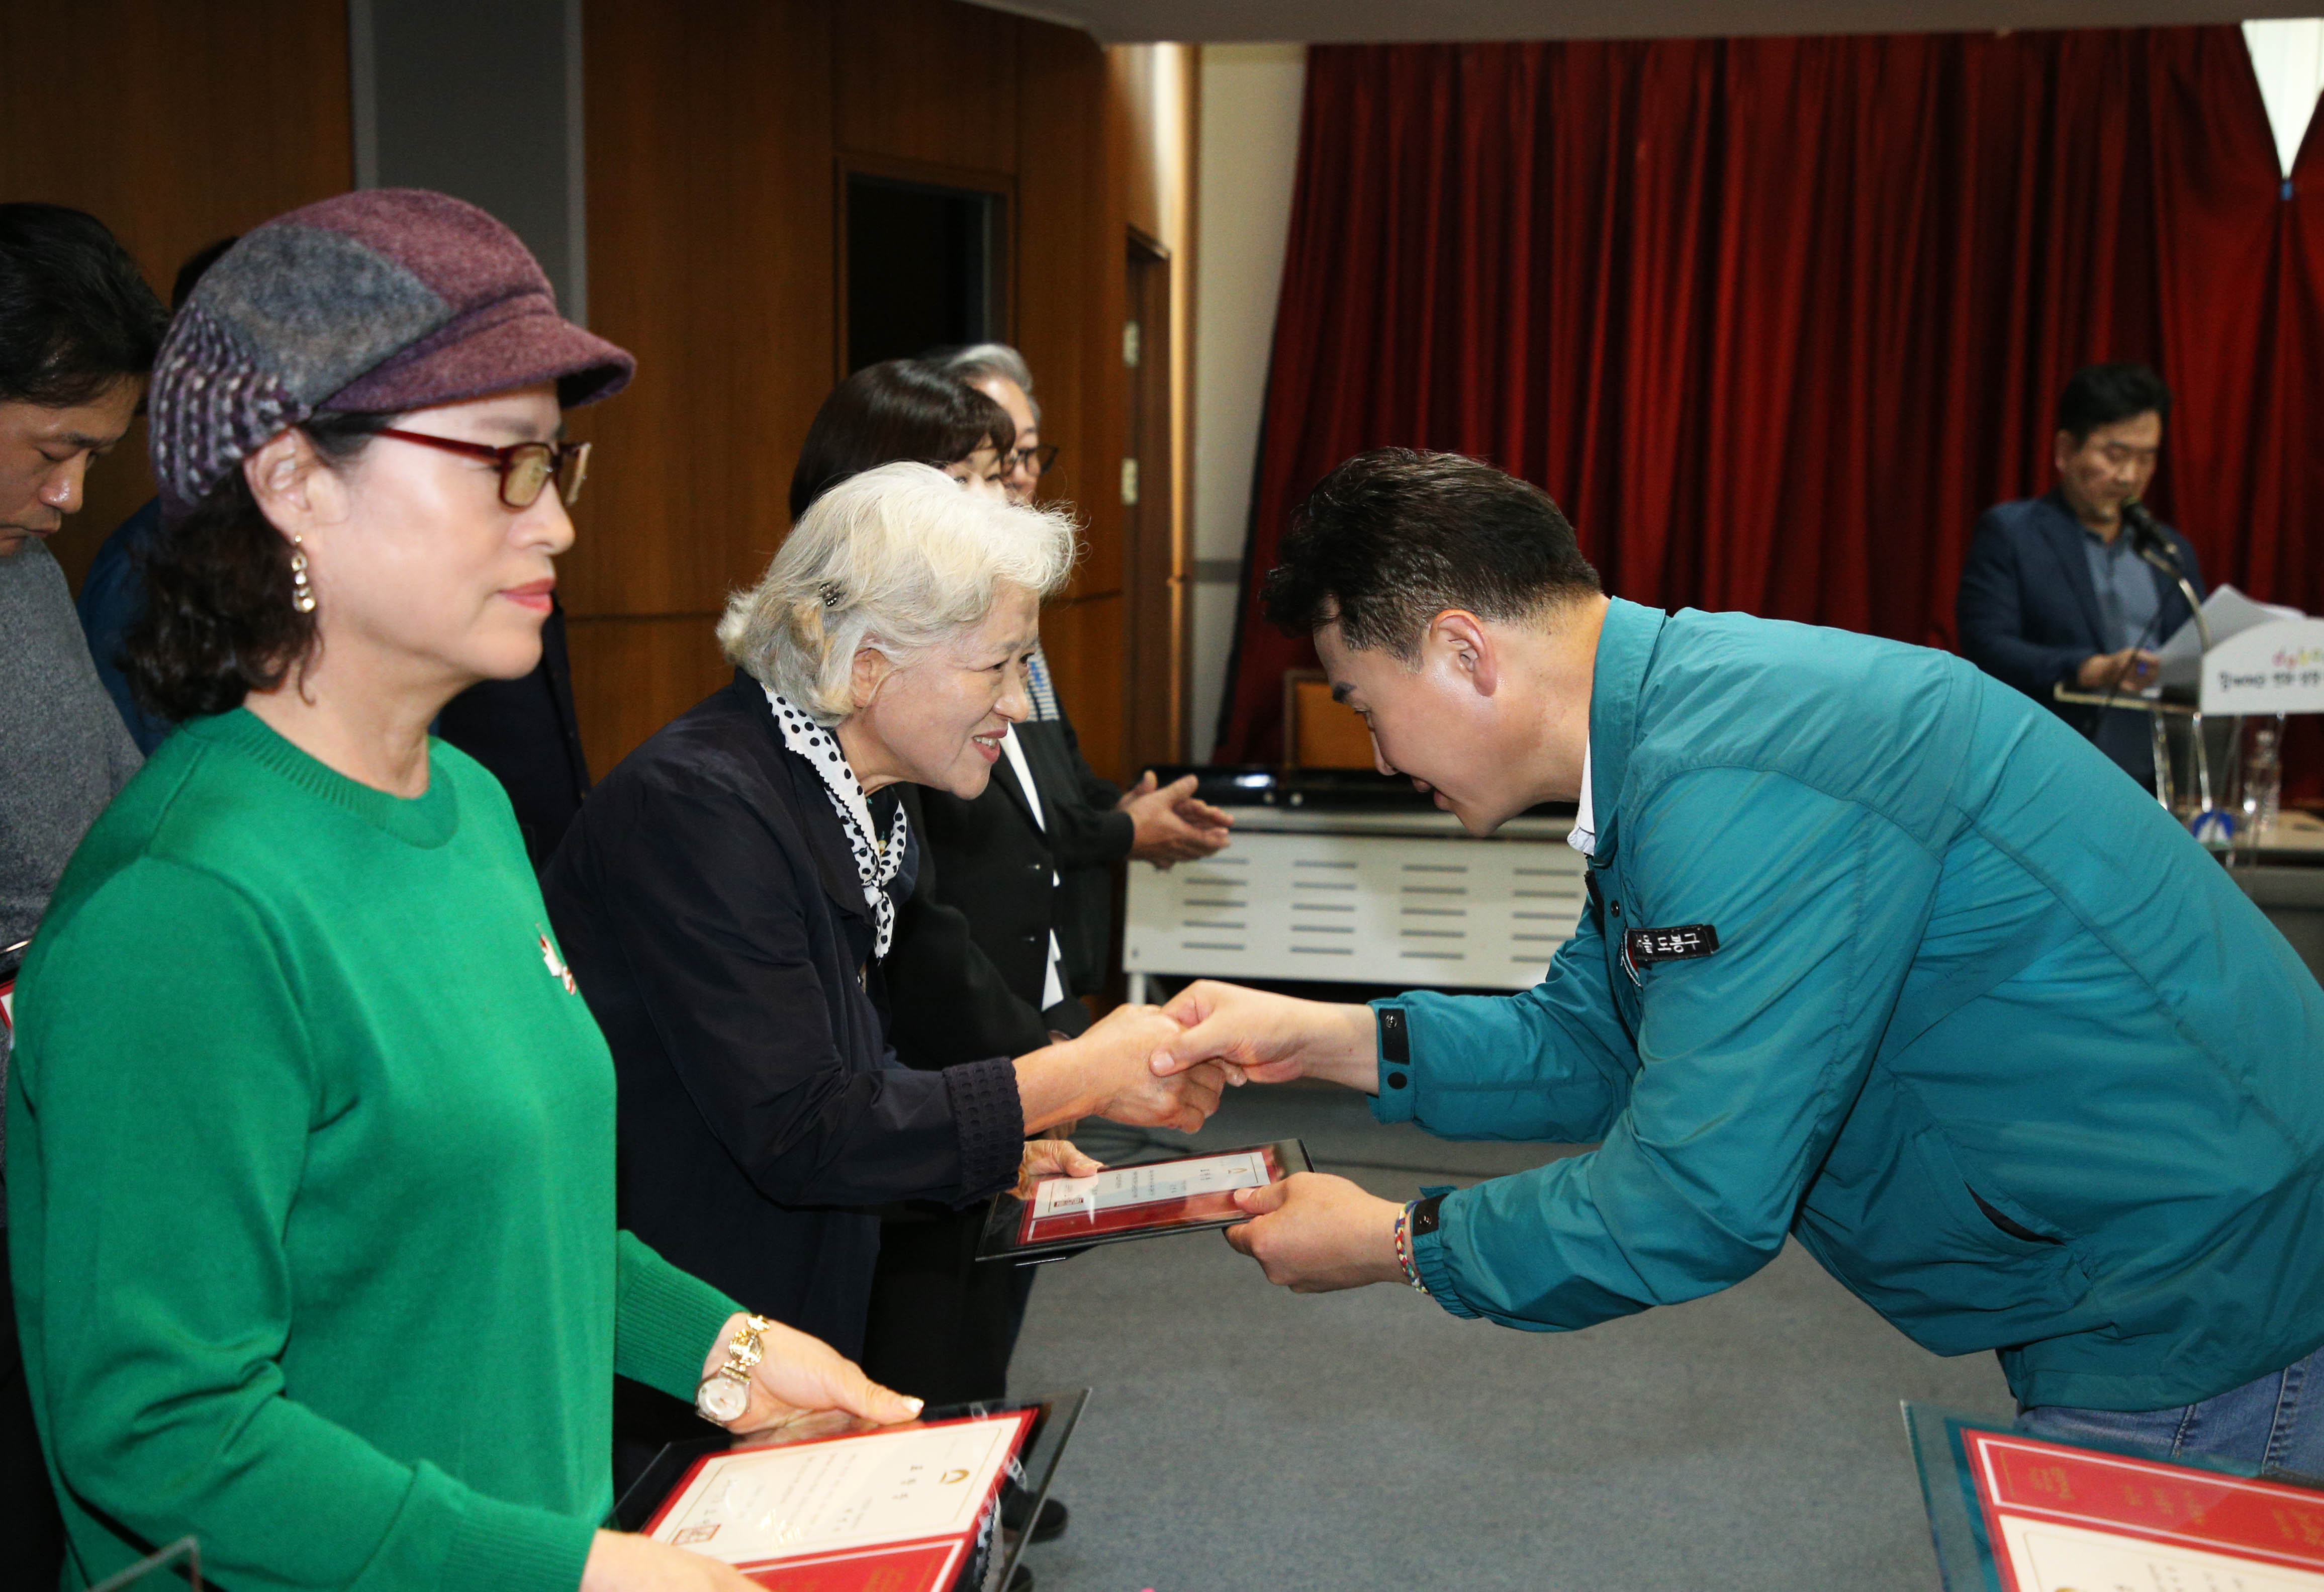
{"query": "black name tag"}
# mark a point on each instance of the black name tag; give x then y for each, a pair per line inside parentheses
(1644, 947)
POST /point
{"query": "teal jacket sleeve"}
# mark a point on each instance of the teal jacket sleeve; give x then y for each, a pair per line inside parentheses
(666, 1322)
(1555, 1062)
(1747, 1058)
(154, 1159)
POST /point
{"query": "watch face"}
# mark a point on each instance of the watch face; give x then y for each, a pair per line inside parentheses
(722, 1399)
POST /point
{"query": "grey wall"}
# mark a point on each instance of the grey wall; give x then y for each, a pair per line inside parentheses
(482, 102)
(1248, 149)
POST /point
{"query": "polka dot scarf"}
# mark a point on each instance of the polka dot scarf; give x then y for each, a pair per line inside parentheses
(876, 860)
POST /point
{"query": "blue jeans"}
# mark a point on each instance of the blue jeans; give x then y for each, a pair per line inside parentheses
(2274, 1425)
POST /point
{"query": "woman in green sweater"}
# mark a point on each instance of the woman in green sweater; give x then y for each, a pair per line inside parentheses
(311, 1170)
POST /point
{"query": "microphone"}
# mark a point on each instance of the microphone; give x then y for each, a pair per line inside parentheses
(2146, 538)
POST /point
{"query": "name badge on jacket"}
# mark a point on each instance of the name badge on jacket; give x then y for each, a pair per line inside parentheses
(1644, 947)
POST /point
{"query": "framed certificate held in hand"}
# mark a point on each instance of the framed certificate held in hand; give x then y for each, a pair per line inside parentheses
(902, 1508)
(1062, 1216)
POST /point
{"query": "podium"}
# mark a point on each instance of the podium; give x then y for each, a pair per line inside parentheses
(2238, 667)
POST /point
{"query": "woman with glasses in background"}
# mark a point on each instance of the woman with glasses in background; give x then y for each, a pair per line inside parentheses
(312, 1190)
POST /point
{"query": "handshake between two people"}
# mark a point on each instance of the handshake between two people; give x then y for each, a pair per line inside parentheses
(1313, 1233)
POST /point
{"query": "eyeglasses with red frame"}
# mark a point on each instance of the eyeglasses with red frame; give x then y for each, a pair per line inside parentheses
(526, 467)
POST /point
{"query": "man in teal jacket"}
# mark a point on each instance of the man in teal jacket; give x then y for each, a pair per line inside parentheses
(1874, 958)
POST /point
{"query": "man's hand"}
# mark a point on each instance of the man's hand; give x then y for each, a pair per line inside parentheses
(1313, 1233)
(1173, 826)
(2131, 670)
(1108, 1073)
(1271, 1038)
(1052, 1158)
(797, 1373)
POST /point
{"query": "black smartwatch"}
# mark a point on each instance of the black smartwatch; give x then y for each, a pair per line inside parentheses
(1424, 1211)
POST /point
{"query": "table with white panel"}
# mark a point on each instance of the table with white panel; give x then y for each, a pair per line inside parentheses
(1360, 897)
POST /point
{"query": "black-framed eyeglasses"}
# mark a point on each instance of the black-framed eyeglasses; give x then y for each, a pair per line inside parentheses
(1035, 459)
(526, 467)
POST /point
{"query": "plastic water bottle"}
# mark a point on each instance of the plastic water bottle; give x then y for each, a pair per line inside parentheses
(2264, 781)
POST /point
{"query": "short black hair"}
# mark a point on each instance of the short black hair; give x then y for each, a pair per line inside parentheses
(1394, 537)
(2102, 394)
(899, 410)
(76, 314)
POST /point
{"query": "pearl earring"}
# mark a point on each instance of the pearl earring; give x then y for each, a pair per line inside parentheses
(302, 594)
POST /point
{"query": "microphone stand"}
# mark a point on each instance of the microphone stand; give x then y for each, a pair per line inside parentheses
(2146, 541)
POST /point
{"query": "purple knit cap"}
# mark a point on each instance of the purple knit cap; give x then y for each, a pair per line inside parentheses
(375, 302)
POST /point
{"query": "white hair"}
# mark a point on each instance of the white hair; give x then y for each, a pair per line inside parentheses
(899, 559)
(981, 362)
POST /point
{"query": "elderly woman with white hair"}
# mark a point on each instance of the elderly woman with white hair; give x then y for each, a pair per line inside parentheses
(727, 894)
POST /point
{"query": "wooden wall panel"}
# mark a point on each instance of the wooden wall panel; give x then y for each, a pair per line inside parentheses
(631, 676)
(928, 80)
(1086, 646)
(1135, 104)
(1071, 293)
(716, 130)
(710, 258)
(175, 123)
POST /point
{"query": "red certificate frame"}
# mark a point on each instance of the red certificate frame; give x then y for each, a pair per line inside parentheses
(924, 1563)
(1014, 1231)
(2024, 1484)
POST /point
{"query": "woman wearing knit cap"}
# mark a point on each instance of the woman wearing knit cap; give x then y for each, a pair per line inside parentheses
(312, 1186)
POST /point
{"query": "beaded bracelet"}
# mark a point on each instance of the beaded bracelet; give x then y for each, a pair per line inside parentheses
(1403, 1247)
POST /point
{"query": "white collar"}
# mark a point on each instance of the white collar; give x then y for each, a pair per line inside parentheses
(1584, 836)
(1015, 749)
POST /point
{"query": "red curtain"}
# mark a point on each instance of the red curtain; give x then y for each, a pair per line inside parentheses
(1774, 319)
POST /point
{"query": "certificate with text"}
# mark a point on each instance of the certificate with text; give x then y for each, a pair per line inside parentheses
(899, 1508)
(1063, 1216)
(2063, 1519)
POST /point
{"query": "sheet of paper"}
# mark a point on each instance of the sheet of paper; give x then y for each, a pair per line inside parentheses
(759, 1505)
(2048, 1555)
(2230, 614)
(1149, 1185)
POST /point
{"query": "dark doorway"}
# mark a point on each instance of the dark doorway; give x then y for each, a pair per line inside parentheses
(923, 267)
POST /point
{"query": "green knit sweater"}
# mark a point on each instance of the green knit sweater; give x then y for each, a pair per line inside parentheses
(311, 1188)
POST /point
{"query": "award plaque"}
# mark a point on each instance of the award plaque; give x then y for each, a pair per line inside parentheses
(1063, 1215)
(830, 1503)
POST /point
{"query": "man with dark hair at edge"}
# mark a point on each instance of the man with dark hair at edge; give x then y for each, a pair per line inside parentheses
(2054, 592)
(78, 328)
(1872, 958)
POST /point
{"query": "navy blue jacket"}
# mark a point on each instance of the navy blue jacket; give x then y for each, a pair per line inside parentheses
(112, 599)
(2028, 614)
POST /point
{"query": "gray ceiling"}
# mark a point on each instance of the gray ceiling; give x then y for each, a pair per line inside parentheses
(1335, 21)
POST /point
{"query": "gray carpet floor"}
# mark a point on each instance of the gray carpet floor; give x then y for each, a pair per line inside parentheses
(1241, 1438)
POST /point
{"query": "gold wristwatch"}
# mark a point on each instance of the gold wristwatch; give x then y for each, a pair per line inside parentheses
(725, 1393)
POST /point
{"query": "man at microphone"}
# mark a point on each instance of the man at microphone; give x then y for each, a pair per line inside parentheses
(2068, 588)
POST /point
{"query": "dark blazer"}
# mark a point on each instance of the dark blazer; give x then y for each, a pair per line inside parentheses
(996, 864)
(707, 903)
(929, 1021)
(2028, 615)
(1088, 837)
(527, 734)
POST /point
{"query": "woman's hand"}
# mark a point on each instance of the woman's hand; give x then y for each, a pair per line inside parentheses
(797, 1373)
(619, 1562)
(1052, 1158)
